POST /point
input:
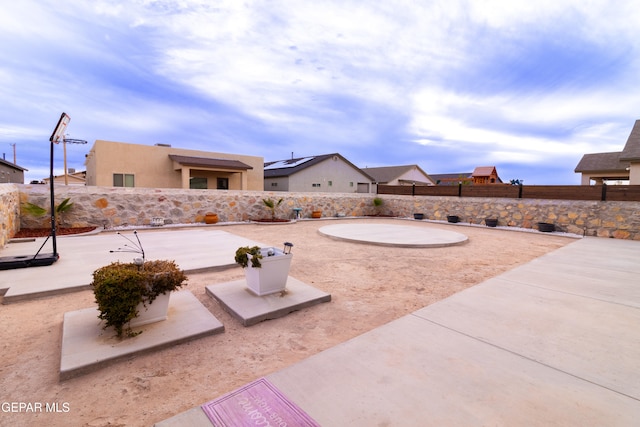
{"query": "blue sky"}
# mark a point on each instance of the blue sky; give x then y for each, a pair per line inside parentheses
(528, 87)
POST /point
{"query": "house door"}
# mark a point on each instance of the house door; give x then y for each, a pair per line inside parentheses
(223, 184)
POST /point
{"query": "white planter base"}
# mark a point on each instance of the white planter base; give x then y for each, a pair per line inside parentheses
(155, 312)
(272, 276)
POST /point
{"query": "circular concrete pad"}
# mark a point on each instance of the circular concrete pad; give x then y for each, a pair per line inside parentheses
(393, 235)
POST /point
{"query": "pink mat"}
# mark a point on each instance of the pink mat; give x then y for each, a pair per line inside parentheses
(257, 403)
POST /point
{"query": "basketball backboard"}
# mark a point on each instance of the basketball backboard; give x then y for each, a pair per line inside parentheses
(58, 132)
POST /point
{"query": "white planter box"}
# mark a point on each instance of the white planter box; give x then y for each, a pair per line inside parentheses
(155, 312)
(272, 276)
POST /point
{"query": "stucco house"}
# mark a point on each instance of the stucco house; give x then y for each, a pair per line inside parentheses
(399, 175)
(11, 173)
(324, 173)
(620, 165)
(119, 164)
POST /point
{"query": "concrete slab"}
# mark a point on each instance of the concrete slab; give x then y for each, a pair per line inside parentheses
(393, 235)
(547, 343)
(250, 309)
(413, 372)
(87, 347)
(588, 338)
(193, 250)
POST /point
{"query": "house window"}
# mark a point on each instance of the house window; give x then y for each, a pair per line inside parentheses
(123, 180)
(351, 184)
(274, 184)
(330, 183)
(315, 185)
(198, 183)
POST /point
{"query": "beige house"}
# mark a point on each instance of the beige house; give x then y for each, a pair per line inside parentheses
(613, 166)
(118, 164)
(329, 173)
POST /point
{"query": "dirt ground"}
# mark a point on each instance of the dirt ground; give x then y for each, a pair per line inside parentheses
(370, 286)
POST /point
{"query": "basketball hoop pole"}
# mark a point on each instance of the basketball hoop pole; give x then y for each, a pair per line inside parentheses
(53, 205)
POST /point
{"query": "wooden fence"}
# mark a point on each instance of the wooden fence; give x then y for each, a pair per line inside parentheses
(618, 193)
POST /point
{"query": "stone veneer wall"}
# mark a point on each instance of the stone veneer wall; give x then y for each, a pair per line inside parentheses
(9, 212)
(109, 207)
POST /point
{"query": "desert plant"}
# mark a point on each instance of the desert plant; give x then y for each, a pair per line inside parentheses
(272, 205)
(377, 204)
(120, 287)
(60, 209)
(242, 256)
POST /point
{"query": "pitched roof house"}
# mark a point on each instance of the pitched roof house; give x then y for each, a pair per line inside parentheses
(324, 173)
(620, 165)
(11, 173)
(399, 175)
(486, 175)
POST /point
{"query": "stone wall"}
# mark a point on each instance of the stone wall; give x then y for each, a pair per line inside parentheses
(110, 207)
(9, 212)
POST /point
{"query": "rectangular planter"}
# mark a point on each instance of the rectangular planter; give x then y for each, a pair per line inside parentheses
(154, 312)
(272, 276)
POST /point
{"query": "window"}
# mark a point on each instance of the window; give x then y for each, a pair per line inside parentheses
(123, 180)
(351, 184)
(198, 183)
(315, 185)
(274, 184)
(330, 183)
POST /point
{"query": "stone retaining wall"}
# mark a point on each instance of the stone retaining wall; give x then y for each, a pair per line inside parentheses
(9, 212)
(110, 207)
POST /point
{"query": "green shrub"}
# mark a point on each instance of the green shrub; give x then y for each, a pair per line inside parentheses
(120, 287)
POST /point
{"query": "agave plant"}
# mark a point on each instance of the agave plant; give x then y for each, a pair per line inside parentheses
(38, 211)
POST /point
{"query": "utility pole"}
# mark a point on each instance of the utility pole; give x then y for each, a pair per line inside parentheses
(64, 145)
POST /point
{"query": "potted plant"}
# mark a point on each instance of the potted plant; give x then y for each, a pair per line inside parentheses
(266, 269)
(316, 213)
(453, 218)
(210, 218)
(491, 222)
(546, 227)
(135, 293)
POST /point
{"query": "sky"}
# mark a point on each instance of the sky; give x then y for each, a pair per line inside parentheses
(449, 85)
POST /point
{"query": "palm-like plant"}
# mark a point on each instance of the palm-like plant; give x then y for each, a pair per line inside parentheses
(272, 205)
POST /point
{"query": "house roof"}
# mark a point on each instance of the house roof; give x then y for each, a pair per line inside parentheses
(12, 165)
(386, 174)
(613, 161)
(288, 167)
(450, 178)
(209, 162)
(484, 171)
(631, 149)
(601, 162)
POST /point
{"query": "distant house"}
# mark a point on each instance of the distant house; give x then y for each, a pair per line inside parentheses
(325, 173)
(622, 165)
(452, 178)
(480, 176)
(73, 178)
(118, 164)
(11, 173)
(485, 175)
(399, 175)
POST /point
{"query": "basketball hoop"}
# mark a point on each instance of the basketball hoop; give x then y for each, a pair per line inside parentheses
(58, 132)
